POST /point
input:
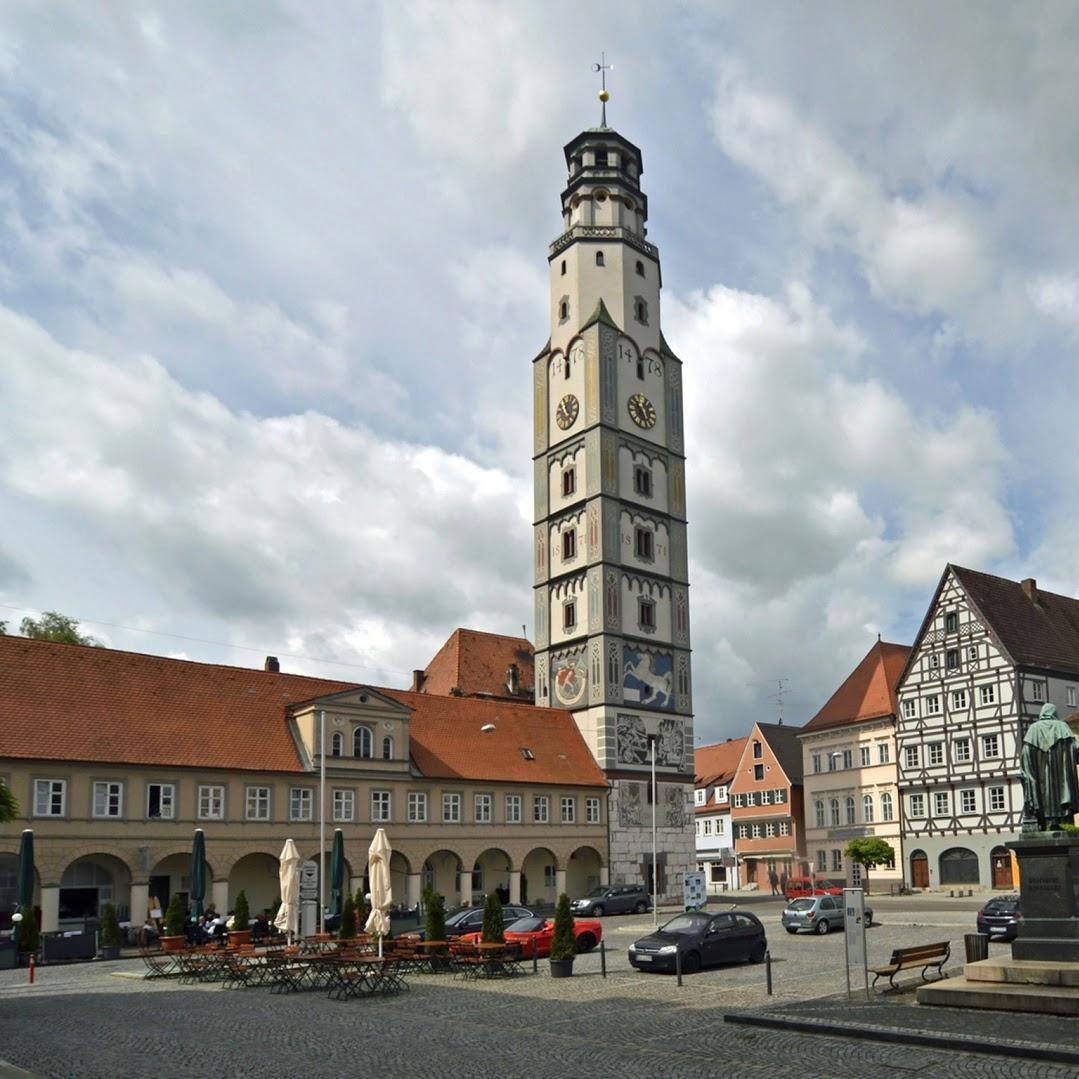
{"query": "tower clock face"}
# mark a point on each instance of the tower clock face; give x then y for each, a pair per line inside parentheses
(566, 413)
(641, 411)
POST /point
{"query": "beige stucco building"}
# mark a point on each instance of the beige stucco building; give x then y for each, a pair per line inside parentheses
(849, 762)
(116, 758)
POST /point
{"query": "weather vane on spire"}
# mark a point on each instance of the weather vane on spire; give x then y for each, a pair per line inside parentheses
(603, 67)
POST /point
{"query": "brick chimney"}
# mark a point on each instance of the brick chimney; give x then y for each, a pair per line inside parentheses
(272, 665)
(417, 681)
(1030, 588)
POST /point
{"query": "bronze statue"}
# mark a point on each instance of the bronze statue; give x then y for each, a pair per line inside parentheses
(1050, 784)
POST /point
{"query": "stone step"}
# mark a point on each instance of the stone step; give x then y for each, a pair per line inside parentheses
(1004, 969)
(1001, 996)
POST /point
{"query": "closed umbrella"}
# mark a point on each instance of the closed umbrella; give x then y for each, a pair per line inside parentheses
(378, 875)
(24, 881)
(337, 874)
(288, 914)
(197, 892)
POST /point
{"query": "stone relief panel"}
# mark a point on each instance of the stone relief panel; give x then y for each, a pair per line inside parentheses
(569, 678)
(674, 799)
(670, 743)
(630, 804)
(632, 740)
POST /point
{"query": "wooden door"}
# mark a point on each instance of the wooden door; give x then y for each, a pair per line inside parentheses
(1002, 870)
(919, 870)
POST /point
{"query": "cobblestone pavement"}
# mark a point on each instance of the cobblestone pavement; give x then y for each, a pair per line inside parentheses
(101, 1019)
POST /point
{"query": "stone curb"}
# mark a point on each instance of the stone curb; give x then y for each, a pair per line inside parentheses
(955, 1041)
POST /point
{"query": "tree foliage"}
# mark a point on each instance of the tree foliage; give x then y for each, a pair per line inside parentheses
(435, 927)
(347, 929)
(869, 852)
(174, 917)
(564, 942)
(494, 927)
(241, 913)
(56, 627)
(9, 807)
(110, 926)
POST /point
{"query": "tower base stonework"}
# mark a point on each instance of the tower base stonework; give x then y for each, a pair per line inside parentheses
(630, 835)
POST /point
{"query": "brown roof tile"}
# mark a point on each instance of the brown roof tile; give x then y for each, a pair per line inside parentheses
(869, 691)
(74, 703)
(712, 764)
(474, 662)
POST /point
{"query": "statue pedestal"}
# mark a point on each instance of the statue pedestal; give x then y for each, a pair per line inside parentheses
(1049, 885)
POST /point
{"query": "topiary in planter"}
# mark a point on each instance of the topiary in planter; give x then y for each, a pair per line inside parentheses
(347, 929)
(110, 926)
(563, 942)
(27, 937)
(435, 922)
(241, 914)
(174, 918)
(493, 924)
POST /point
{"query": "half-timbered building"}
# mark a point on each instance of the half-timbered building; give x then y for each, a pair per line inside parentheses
(989, 654)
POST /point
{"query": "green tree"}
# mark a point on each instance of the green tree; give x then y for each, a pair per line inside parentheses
(174, 917)
(869, 852)
(435, 926)
(27, 937)
(9, 807)
(241, 913)
(110, 926)
(494, 928)
(56, 627)
(564, 941)
(347, 929)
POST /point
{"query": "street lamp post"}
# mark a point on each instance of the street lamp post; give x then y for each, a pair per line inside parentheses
(655, 884)
(322, 822)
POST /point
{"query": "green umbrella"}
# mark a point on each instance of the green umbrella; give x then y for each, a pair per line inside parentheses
(197, 891)
(24, 881)
(337, 874)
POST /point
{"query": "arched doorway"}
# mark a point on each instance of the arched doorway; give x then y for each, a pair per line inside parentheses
(491, 873)
(258, 876)
(538, 877)
(959, 866)
(90, 882)
(172, 875)
(442, 873)
(399, 873)
(1001, 861)
(583, 871)
(919, 869)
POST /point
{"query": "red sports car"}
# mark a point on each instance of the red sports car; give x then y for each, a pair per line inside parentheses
(535, 935)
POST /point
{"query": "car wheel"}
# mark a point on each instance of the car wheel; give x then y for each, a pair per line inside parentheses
(641, 908)
(791, 928)
(823, 926)
(598, 912)
(691, 963)
(586, 942)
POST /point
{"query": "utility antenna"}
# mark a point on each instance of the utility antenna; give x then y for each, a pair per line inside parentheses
(781, 689)
(602, 68)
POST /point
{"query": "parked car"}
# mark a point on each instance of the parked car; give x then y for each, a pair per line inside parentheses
(470, 920)
(1000, 917)
(613, 899)
(799, 886)
(702, 940)
(535, 935)
(820, 913)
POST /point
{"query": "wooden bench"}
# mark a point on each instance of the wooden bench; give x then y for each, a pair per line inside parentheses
(922, 955)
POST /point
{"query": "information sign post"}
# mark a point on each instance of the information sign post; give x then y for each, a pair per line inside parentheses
(693, 890)
(854, 934)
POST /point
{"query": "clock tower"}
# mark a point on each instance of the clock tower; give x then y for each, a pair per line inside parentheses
(609, 552)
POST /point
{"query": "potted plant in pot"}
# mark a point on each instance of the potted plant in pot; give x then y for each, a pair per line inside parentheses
(494, 927)
(109, 935)
(435, 931)
(174, 939)
(563, 943)
(240, 932)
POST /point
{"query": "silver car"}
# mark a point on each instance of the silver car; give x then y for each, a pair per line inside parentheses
(819, 913)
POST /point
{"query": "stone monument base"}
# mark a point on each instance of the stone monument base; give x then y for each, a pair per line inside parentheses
(1049, 885)
(1013, 985)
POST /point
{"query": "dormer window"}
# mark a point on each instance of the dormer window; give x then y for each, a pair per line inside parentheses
(527, 753)
(599, 258)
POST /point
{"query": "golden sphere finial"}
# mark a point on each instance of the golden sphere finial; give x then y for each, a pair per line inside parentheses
(604, 96)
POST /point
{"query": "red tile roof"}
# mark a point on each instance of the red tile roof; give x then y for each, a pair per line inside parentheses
(869, 691)
(75, 703)
(715, 763)
(473, 662)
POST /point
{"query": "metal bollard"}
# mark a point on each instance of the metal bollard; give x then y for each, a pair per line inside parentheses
(602, 959)
(678, 966)
(768, 970)
(535, 959)
(31, 968)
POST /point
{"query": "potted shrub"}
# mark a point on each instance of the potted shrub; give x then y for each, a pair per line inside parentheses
(435, 931)
(563, 943)
(174, 939)
(347, 929)
(27, 938)
(109, 935)
(493, 925)
(240, 932)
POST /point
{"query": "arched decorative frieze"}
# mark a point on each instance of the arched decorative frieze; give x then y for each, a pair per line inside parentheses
(611, 600)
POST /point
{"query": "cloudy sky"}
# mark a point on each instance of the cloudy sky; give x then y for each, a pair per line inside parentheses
(272, 275)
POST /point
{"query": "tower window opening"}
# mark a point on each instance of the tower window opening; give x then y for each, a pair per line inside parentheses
(564, 267)
(642, 481)
(569, 614)
(646, 609)
(643, 544)
(640, 368)
(640, 311)
(569, 481)
(569, 545)
(565, 367)
(563, 310)
(601, 159)
(640, 268)
(599, 258)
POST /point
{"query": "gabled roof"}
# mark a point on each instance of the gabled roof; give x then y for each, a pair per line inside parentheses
(67, 702)
(783, 741)
(717, 763)
(600, 314)
(869, 691)
(472, 662)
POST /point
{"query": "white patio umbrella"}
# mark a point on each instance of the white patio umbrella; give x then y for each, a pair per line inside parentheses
(288, 914)
(378, 876)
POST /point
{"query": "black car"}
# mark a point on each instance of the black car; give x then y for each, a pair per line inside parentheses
(470, 920)
(1000, 917)
(702, 940)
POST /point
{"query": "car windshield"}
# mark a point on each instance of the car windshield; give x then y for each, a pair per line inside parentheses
(685, 923)
(526, 925)
(802, 904)
(1001, 906)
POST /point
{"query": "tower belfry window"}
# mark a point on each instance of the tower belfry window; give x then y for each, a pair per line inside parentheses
(640, 368)
(565, 367)
(640, 268)
(599, 258)
(564, 267)
(563, 310)
(601, 159)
